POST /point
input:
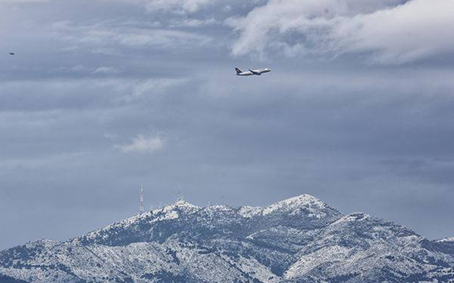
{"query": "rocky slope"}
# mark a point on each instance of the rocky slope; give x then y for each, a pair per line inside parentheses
(296, 240)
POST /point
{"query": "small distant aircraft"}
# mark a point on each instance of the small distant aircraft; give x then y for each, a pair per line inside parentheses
(256, 72)
(12, 54)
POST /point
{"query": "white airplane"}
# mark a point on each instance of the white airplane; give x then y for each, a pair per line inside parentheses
(256, 72)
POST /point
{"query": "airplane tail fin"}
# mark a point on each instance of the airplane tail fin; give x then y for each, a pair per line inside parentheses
(238, 70)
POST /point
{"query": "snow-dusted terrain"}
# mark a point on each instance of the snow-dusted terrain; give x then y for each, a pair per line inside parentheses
(296, 240)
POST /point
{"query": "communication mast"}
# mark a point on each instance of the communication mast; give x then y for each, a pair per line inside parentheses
(180, 197)
(141, 199)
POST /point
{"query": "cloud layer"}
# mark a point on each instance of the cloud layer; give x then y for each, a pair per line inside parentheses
(391, 31)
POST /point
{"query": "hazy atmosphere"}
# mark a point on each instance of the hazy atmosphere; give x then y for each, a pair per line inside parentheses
(103, 95)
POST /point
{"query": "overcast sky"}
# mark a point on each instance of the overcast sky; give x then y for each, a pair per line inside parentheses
(103, 95)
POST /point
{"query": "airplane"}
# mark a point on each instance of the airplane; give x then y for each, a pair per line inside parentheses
(11, 53)
(256, 72)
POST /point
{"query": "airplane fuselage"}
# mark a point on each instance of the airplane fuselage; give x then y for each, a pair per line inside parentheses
(256, 72)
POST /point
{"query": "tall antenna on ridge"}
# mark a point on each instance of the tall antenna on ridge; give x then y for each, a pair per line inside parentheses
(180, 196)
(141, 198)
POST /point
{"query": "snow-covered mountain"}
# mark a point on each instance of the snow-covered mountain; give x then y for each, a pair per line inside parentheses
(296, 240)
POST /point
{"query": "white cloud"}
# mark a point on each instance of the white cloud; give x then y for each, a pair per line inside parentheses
(416, 30)
(105, 71)
(143, 144)
(393, 32)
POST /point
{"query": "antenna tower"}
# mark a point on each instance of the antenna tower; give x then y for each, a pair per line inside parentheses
(141, 199)
(180, 196)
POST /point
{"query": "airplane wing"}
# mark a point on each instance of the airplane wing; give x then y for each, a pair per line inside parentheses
(254, 72)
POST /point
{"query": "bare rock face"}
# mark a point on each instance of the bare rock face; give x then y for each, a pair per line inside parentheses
(296, 240)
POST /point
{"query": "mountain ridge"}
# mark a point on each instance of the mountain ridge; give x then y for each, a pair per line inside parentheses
(300, 239)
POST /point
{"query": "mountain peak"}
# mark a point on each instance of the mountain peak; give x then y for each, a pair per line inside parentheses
(311, 203)
(180, 204)
(304, 198)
